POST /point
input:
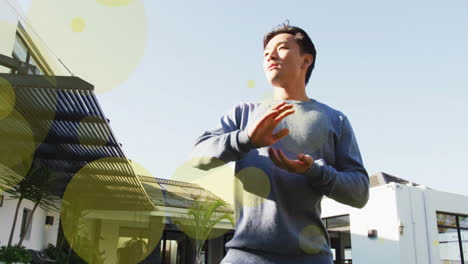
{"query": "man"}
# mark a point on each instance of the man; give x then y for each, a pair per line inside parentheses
(289, 152)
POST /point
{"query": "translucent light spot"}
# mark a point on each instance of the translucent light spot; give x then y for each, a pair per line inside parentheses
(115, 32)
(196, 168)
(203, 218)
(215, 177)
(7, 98)
(251, 83)
(219, 181)
(114, 3)
(21, 135)
(78, 24)
(436, 243)
(17, 149)
(252, 186)
(312, 240)
(297, 141)
(87, 136)
(102, 209)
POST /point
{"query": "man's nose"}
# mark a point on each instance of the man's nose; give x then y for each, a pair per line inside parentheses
(271, 56)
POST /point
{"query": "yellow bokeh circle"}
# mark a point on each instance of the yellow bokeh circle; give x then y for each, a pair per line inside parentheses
(203, 222)
(17, 148)
(196, 168)
(251, 83)
(113, 3)
(252, 186)
(216, 177)
(106, 209)
(110, 44)
(312, 240)
(78, 24)
(7, 98)
(86, 132)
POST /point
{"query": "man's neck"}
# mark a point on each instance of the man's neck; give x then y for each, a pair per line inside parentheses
(282, 93)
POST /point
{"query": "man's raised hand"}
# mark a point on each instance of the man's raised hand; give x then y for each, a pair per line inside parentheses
(261, 134)
(300, 165)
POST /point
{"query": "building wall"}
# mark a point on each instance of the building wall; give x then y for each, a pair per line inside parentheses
(380, 214)
(417, 207)
(41, 234)
(437, 201)
(405, 219)
(412, 216)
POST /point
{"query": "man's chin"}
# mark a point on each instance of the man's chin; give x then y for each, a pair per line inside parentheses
(274, 79)
(276, 82)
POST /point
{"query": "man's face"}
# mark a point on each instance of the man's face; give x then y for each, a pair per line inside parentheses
(282, 61)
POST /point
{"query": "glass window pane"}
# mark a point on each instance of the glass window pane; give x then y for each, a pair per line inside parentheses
(464, 236)
(463, 220)
(20, 49)
(175, 248)
(348, 255)
(33, 62)
(449, 247)
(171, 251)
(445, 219)
(334, 253)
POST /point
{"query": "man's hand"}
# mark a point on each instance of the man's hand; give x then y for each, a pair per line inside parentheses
(261, 134)
(300, 165)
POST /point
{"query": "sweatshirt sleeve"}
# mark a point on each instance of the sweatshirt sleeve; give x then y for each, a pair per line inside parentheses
(226, 143)
(347, 182)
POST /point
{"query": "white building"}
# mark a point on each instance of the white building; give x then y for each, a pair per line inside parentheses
(402, 223)
(43, 230)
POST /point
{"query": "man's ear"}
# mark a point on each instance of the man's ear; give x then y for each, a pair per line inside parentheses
(308, 60)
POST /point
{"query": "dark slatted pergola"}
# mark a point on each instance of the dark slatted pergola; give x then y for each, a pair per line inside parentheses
(70, 131)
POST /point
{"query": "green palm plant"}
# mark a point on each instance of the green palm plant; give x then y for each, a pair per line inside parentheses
(201, 218)
(41, 193)
(75, 218)
(38, 187)
(19, 190)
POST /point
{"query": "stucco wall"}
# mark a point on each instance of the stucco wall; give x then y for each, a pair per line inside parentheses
(41, 234)
(380, 213)
(405, 219)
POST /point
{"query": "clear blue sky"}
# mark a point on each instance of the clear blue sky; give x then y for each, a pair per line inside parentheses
(397, 69)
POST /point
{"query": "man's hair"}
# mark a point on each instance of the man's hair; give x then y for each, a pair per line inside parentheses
(301, 37)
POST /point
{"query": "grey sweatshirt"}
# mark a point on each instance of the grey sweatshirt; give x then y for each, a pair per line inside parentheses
(278, 212)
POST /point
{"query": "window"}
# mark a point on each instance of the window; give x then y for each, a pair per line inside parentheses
(338, 228)
(173, 247)
(49, 220)
(23, 53)
(27, 214)
(453, 238)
